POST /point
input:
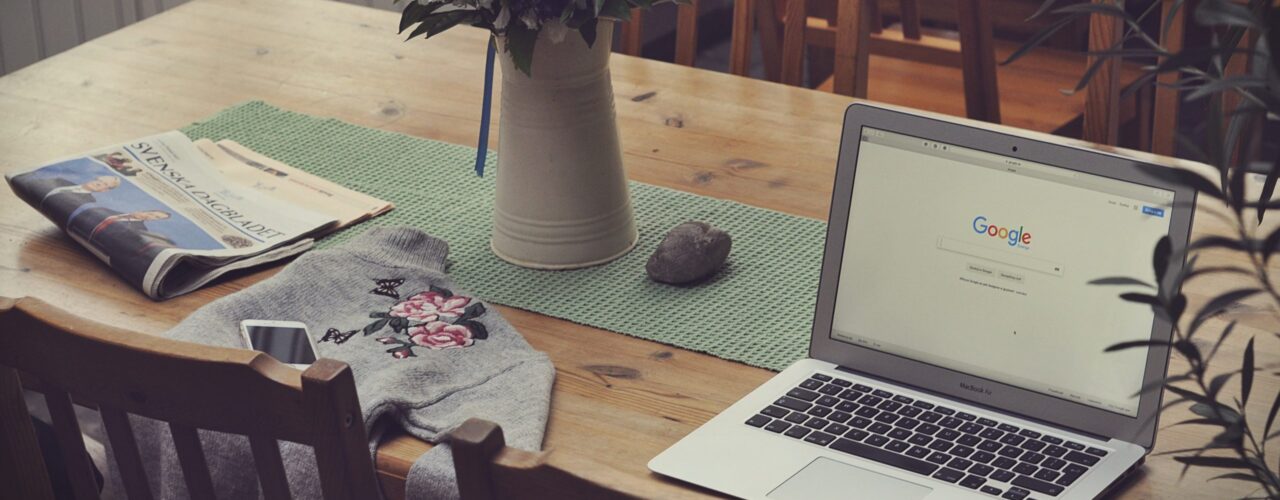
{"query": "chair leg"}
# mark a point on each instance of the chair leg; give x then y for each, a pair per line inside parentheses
(770, 39)
(686, 33)
(853, 48)
(910, 18)
(1165, 120)
(1145, 99)
(874, 20)
(1102, 98)
(793, 41)
(630, 40)
(978, 56)
(740, 38)
(22, 469)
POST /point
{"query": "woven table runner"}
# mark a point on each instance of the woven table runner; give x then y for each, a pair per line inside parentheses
(757, 310)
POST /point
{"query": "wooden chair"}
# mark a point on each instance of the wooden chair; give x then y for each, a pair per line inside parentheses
(189, 386)
(488, 470)
(919, 67)
(686, 43)
(949, 72)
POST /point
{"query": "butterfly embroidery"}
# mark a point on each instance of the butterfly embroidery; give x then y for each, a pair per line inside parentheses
(337, 337)
(387, 287)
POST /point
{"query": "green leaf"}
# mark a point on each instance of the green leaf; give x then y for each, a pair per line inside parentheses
(1271, 417)
(1198, 398)
(1141, 298)
(473, 311)
(1225, 13)
(1218, 270)
(375, 326)
(1198, 421)
(1176, 307)
(1044, 7)
(1136, 343)
(616, 9)
(438, 23)
(520, 42)
(1217, 462)
(1269, 188)
(1218, 304)
(1246, 374)
(414, 12)
(1226, 332)
(442, 291)
(1120, 280)
(1160, 258)
(588, 32)
(1039, 38)
(1219, 242)
(1157, 384)
(1189, 350)
(1233, 438)
(478, 330)
(1239, 476)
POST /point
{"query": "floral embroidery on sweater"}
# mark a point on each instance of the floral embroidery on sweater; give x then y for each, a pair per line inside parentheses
(435, 319)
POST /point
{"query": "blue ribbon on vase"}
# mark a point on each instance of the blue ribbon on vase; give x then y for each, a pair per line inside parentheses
(482, 149)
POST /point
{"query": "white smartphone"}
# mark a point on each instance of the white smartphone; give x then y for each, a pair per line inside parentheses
(287, 341)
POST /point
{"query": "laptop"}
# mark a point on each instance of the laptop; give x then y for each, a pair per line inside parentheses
(957, 345)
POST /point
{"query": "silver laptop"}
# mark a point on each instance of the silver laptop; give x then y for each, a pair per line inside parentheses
(957, 345)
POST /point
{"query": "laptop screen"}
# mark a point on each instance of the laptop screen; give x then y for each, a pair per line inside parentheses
(980, 263)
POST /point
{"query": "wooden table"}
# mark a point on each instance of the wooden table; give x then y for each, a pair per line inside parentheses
(618, 401)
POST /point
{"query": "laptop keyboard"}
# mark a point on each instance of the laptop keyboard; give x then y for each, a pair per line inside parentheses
(927, 438)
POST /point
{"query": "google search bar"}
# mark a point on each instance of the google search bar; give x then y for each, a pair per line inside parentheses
(1000, 256)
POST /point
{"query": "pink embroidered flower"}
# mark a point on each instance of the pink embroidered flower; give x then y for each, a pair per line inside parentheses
(430, 306)
(441, 335)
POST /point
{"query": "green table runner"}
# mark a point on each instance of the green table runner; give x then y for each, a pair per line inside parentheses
(757, 310)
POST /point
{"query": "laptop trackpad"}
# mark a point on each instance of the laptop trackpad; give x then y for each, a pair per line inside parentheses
(828, 479)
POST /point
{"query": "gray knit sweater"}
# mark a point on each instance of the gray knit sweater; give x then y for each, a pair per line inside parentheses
(426, 357)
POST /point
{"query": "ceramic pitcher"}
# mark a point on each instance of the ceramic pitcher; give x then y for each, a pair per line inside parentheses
(562, 200)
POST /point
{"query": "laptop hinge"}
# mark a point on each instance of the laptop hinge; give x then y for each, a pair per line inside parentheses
(975, 403)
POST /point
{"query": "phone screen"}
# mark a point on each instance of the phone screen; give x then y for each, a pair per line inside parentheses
(287, 344)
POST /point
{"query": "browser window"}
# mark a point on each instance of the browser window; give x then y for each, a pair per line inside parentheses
(980, 263)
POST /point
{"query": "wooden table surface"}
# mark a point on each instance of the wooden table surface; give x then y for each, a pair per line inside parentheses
(618, 401)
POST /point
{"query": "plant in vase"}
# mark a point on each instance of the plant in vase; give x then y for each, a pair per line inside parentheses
(562, 200)
(1229, 131)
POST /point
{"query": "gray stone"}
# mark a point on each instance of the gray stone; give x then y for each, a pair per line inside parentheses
(689, 252)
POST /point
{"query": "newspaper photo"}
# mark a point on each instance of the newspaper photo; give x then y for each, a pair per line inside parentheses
(166, 218)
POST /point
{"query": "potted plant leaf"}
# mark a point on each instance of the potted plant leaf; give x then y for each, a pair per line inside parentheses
(1234, 107)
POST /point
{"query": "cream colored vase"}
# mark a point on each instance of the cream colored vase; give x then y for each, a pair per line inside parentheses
(562, 199)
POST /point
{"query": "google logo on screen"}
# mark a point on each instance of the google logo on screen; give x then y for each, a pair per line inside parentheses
(1014, 236)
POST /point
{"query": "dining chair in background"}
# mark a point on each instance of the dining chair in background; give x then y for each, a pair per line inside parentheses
(953, 71)
(189, 386)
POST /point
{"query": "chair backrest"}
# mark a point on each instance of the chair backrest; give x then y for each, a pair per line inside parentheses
(631, 35)
(488, 470)
(856, 30)
(189, 386)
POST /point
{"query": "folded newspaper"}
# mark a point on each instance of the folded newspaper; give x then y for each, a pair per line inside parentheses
(169, 214)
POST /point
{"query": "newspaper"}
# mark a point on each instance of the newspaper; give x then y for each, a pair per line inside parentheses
(246, 167)
(169, 218)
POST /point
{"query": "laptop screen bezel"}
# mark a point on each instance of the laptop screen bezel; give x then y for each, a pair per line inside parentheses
(1140, 429)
